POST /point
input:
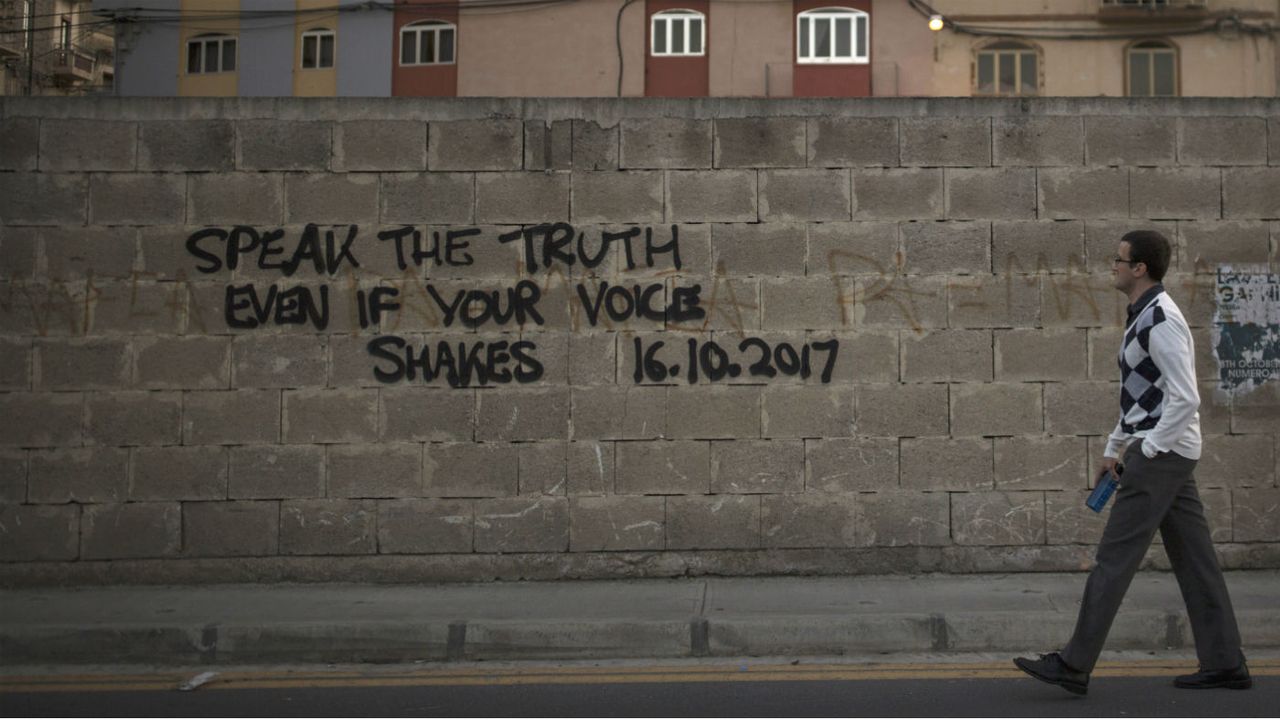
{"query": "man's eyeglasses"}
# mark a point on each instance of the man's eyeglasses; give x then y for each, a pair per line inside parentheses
(1117, 260)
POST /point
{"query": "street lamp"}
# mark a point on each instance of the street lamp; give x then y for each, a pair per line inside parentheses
(936, 22)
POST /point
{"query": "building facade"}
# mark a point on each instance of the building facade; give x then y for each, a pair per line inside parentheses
(54, 47)
(696, 48)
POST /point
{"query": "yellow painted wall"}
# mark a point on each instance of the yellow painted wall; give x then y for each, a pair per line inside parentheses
(316, 82)
(218, 84)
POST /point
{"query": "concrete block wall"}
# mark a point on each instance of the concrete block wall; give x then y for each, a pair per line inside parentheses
(438, 340)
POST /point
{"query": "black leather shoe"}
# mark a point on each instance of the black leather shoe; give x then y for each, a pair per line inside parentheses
(1235, 679)
(1051, 669)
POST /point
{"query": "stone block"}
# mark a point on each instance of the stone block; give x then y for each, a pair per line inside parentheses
(522, 197)
(417, 526)
(18, 250)
(1196, 296)
(1217, 510)
(19, 143)
(516, 415)
(1081, 408)
(998, 518)
(764, 249)
(807, 411)
(15, 364)
(83, 475)
(898, 194)
(426, 414)
(33, 533)
(1176, 193)
(133, 418)
(471, 470)
(130, 530)
(41, 419)
(663, 468)
(1255, 515)
(590, 467)
(953, 248)
(276, 472)
(902, 519)
(182, 363)
(328, 527)
(991, 193)
(947, 464)
(330, 415)
(1237, 461)
(808, 521)
(1080, 301)
(846, 465)
(280, 361)
(901, 410)
(1036, 355)
(179, 473)
(1068, 521)
(231, 417)
(731, 305)
(946, 355)
(349, 198)
(1067, 193)
(594, 147)
(804, 195)
(865, 357)
(43, 198)
(700, 413)
(711, 196)
(1037, 246)
(946, 141)
(1038, 141)
(162, 254)
(713, 522)
(617, 197)
(854, 248)
(375, 471)
(1222, 141)
(593, 359)
(231, 529)
(434, 197)
(235, 199)
(1041, 462)
(475, 145)
(548, 145)
(137, 199)
(136, 308)
(759, 142)
(1257, 411)
(97, 252)
(186, 146)
(665, 143)
(1136, 140)
(757, 466)
(379, 145)
(995, 409)
(901, 302)
(13, 477)
(619, 413)
(1203, 246)
(1102, 241)
(1215, 408)
(809, 303)
(284, 145)
(522, 524)
(84, 145)
(611, 523)
(852, 142)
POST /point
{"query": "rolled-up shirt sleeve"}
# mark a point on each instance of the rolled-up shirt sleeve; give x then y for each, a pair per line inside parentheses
(1172, 350)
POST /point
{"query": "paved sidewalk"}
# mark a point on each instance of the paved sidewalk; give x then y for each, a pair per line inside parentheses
(776, 616)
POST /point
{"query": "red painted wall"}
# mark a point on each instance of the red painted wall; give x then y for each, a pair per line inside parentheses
(425, 80)
(676, 76)
(831, 80)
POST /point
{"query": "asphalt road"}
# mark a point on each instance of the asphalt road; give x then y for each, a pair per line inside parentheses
(751, 689)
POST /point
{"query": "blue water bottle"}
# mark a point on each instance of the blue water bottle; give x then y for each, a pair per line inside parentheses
(1107, 485)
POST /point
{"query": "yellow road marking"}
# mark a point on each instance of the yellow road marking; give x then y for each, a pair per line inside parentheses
(511, 676)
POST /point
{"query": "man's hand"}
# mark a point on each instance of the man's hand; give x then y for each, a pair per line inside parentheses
(1108, 465)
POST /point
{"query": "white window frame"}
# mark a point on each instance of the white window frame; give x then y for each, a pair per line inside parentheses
(1015, 48)
(857, 55)
(427, 27)
(318, 35)
(221, 41)
(661, 23)
(1165, 48)
(64, 33)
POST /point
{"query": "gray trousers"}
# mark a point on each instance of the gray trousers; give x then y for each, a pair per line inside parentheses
(1157, 494)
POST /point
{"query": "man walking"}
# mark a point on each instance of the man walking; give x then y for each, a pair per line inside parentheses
(1160, 425)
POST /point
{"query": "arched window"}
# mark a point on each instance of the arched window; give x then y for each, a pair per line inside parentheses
(318, 45)
(428, 42)
(211, 53)
(833, 35)
(1151, 69)
(678, 32)
(1006, 68)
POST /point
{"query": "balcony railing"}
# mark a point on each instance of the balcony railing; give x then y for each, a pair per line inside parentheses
(1155, 4)
(1147, 10)
(72, 63)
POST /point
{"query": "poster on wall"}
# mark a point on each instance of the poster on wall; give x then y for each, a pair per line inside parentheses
(1246, 328)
